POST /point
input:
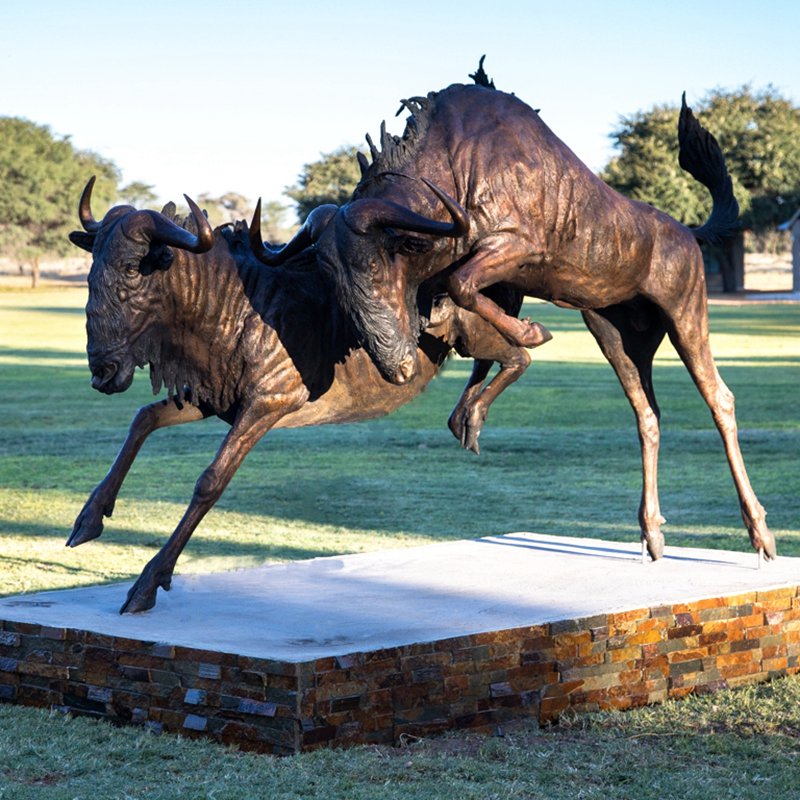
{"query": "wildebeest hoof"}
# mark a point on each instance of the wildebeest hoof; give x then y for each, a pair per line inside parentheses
(466, 426)
(535, 334)
(762, 539)
(88, 525)
(655, 545)
(142, 595)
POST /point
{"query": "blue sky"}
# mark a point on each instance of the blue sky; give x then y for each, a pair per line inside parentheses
(216, 96)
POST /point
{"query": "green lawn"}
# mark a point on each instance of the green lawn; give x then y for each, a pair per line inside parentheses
(559, 455)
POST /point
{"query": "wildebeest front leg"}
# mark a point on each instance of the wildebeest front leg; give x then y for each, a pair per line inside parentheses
(248, 428)
(464, 423)
(496, 260)
(89, 523)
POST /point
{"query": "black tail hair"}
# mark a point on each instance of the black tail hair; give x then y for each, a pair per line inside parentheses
(700, 155)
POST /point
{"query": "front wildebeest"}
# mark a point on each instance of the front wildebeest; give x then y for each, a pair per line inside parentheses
(259, 348)
(480, 190)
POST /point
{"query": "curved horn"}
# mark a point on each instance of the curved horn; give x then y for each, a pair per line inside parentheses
(155, 227)
(312, 229)
(89, 223)
(361, 215)
(454, 208)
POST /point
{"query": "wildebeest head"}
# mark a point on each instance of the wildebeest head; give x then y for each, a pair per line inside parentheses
(365, 246)
(127, 247)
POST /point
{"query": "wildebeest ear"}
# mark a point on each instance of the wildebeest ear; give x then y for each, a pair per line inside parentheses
(82, 239)
(159, 257)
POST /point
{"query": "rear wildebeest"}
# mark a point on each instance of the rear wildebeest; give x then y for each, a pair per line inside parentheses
(480, 190)
(258, 347)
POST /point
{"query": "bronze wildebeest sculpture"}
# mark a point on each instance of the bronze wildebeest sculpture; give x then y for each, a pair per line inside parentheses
(259, 348)
(480, 190)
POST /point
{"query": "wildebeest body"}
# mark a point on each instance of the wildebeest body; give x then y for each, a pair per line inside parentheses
(571, 238)
(260, 348)
(480, 191)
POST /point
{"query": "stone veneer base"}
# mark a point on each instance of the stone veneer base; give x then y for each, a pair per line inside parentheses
(614, 660)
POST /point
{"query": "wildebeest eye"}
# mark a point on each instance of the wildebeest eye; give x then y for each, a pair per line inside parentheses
(408, 245)
(414, 246)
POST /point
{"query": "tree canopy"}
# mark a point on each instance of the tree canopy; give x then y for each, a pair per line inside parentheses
(759, 133)
(138, 194)
(228, 207)
(331, 179)
(42, 176)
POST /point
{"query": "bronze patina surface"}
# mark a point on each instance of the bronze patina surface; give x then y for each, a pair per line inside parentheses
(480, 192)
(258, 347)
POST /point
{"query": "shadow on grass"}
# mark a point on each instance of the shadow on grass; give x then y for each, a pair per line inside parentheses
(200, 545)
(72, 311)
(775, 361)
(559, 456)
(756, 319)
(37, 354)
(59, 566)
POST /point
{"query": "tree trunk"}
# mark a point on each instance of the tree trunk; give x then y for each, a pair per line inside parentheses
(34, 272)
(731, 262)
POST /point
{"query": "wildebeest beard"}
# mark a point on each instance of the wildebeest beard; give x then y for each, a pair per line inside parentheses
(375, 323)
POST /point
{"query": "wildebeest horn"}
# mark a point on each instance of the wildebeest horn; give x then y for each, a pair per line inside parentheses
(155, 227)
(363, 163)
(90, 224)
(312, 228)
(361, 215)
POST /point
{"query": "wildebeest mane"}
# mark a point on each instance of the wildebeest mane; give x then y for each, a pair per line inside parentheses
(299, 301)
(294, 299)
(395, 152)
(480, 77)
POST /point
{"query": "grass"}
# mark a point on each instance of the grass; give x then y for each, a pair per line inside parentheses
(559, 455)
(742, 744)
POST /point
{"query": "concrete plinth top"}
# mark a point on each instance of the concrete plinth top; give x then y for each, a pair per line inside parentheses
(332, 606)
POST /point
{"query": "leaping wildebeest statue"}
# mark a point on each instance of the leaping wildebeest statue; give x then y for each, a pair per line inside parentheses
(258, 347)
(480, 190)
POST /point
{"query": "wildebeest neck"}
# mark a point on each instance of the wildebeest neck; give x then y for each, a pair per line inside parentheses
(225, 315)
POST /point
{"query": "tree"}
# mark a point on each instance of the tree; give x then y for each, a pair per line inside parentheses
(331, 179)
(273, 222)
(138, 194)
(42, 176)
(228, 207)
(759, 133)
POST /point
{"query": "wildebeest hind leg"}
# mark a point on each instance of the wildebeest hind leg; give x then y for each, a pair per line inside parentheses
(629, 343)
(689, 335)
(89, 523)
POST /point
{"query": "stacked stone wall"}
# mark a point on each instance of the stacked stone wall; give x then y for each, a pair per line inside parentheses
(618, 660)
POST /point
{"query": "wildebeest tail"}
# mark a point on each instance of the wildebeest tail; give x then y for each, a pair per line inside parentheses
(700, 155)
